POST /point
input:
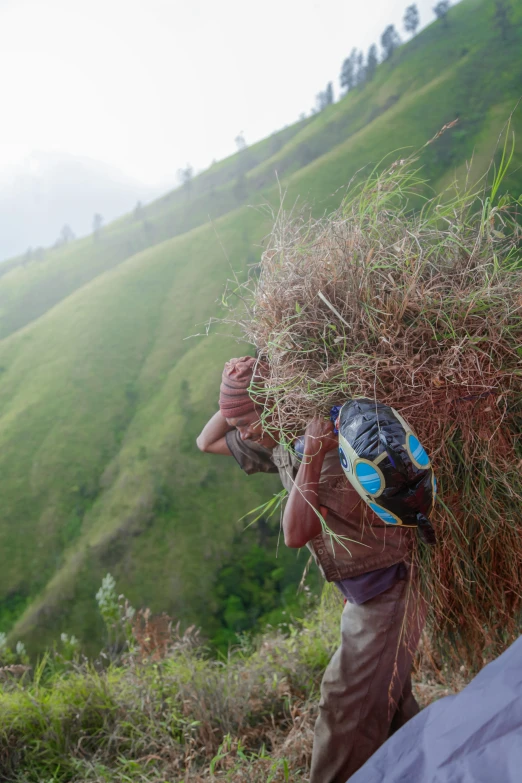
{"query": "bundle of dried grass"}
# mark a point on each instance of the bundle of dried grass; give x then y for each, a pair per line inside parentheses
(420, 310)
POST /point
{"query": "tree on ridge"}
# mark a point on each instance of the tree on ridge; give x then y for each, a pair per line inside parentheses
(185, 177)
(66, 235)
(411, 19)
(360, 73)
(240, 141)
(347, 78)
(390, 40)
(325, 97)
(441, 11)
(138, 211)
(97, 223)
(329, 94)
(372, 62)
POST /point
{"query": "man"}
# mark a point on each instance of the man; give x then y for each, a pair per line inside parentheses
(366, 689)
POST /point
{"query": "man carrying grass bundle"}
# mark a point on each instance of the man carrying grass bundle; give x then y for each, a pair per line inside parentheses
(366, 690)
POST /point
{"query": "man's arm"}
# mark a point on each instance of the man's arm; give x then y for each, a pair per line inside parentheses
(301, 522)
(212, 437)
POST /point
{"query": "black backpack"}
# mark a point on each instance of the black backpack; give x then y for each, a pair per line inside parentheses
(385, 462)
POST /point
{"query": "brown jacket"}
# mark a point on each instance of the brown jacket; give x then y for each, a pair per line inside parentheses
(356, 540)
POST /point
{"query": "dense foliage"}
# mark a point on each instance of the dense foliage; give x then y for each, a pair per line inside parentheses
(154, 706)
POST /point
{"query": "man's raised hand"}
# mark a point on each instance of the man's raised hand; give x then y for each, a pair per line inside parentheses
(319, 437)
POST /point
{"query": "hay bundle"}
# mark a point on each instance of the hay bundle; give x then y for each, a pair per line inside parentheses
(422, 311)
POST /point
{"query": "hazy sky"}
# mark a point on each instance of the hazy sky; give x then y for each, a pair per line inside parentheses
(148, 85)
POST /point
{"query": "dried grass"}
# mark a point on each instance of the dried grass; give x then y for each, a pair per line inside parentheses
(422, 311)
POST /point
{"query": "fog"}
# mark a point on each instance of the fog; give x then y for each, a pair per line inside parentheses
(48, 191)
(106, 100)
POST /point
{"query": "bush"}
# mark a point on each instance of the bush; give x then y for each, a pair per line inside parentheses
(162, 708)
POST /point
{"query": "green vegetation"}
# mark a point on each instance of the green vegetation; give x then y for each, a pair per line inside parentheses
(254, 591)
(156, 707)
(102, 395)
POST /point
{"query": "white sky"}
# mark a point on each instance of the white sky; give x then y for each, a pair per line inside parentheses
(148, 85)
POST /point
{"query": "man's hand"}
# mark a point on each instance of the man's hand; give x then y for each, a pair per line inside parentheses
(319, 437)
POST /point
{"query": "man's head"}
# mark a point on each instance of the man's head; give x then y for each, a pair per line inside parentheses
(235, 403)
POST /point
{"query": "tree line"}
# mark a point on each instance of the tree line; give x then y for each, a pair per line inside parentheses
(359, 69)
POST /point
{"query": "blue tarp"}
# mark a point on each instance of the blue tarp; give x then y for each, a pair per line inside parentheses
(473, 737)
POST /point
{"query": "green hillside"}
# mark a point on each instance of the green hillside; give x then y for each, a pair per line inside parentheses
(101, 395)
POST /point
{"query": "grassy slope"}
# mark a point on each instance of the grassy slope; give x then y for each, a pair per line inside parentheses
(28, 289)
(100, 395)
(114, 446)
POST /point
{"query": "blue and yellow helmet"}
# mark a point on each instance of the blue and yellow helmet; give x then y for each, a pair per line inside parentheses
(386, 463)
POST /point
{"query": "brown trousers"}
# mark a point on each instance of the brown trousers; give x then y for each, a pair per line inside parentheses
(366, 689)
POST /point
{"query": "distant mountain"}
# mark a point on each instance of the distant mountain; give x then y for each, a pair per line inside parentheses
(49, 190)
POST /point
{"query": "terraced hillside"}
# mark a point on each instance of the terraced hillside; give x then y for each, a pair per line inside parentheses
(101, 395)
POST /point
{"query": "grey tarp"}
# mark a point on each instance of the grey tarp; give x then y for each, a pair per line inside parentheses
(473, 737)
